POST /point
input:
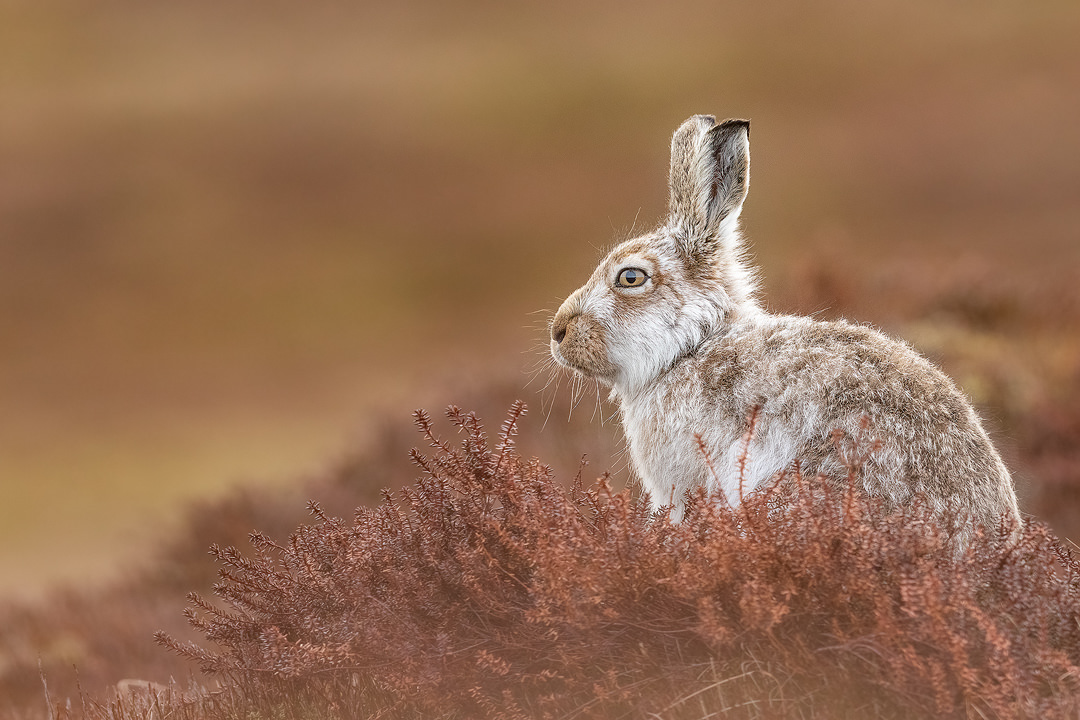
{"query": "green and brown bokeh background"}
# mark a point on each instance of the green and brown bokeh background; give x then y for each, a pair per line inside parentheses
(237, 238)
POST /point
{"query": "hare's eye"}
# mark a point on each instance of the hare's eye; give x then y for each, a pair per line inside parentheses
(631, 277)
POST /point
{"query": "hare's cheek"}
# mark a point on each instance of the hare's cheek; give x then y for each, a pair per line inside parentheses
(584, 348)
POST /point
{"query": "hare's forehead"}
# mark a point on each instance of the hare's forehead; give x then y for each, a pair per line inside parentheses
(656, 251)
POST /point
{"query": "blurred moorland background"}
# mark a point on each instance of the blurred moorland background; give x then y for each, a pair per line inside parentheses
(241, 244)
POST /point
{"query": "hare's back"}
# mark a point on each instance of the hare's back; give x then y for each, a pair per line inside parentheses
(808, 379)
(781, 364)
(854, 369)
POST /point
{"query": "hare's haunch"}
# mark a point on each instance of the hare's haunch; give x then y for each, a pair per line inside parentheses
(670, 322)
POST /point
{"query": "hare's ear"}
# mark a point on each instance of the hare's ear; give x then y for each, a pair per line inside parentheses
(710, 174)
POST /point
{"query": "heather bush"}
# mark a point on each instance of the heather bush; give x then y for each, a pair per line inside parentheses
(488, 589)
(94, 636)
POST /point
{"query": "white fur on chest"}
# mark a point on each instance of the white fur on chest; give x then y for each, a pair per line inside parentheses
(662, 428)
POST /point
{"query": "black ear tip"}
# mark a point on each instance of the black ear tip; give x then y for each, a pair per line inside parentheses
(735, 124)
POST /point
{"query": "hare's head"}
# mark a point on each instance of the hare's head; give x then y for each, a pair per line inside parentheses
(657, 297)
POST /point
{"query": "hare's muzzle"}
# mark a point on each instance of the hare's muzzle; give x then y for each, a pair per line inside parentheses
(570, 309)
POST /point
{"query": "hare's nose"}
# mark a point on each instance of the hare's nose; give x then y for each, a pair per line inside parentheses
(571, 309)
(558, 333)
(558, 327)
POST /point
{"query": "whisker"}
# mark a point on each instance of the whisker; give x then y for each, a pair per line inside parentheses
(597, 408)
(554, 373)
(547, 415)
(575, 396)
(537, 369)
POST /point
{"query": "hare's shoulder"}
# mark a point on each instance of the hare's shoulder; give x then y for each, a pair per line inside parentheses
(787, 337)
(784, 351)
(794, 334)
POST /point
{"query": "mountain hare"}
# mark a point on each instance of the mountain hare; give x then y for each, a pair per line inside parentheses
(669, 320)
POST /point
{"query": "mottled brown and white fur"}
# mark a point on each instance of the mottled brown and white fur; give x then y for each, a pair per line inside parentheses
(688, 351)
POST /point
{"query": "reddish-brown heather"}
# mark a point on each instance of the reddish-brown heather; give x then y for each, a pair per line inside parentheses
(487, 589)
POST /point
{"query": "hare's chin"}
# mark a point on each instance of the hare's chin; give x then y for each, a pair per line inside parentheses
(566, 363)
(583, 371)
